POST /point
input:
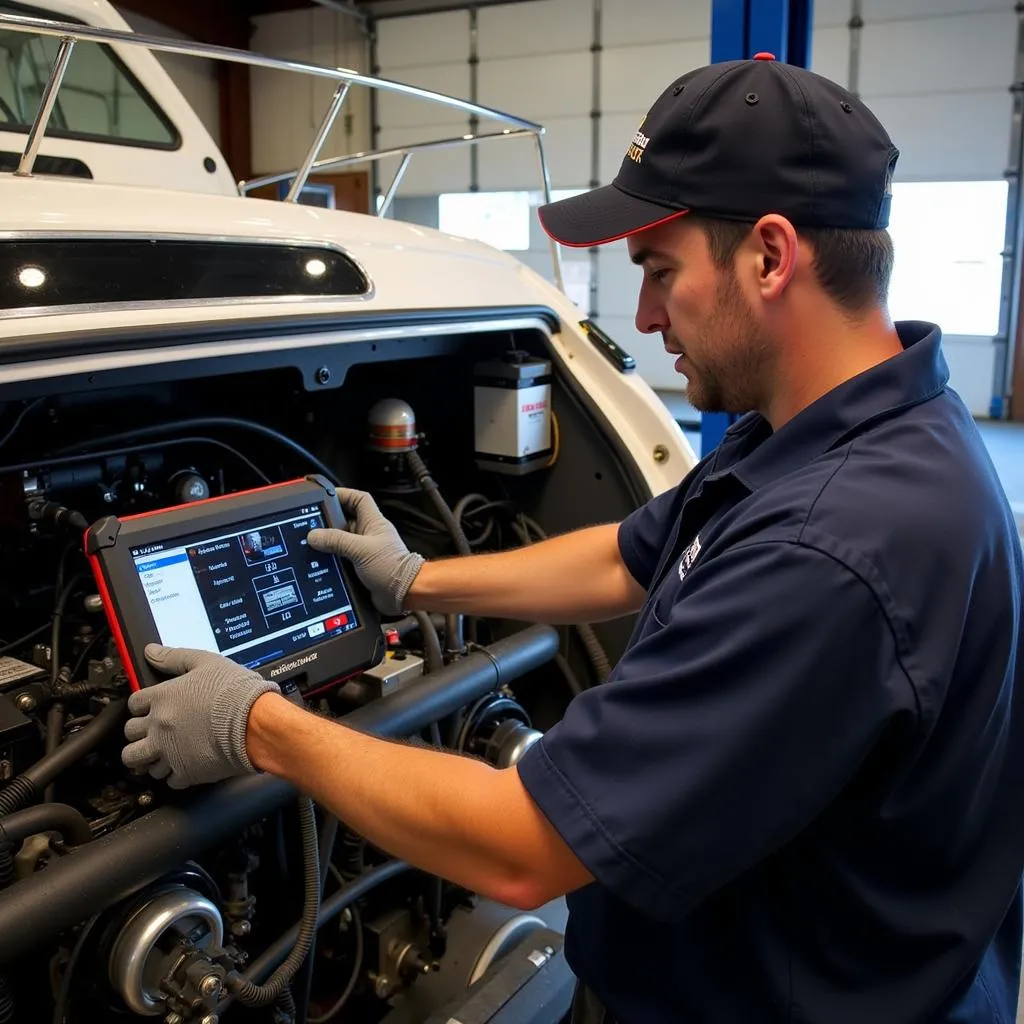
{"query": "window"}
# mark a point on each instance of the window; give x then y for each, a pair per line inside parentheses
(98, 99)
(948, 237)
(501, 219)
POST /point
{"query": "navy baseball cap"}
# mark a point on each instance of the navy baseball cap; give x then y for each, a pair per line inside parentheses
(737, 140)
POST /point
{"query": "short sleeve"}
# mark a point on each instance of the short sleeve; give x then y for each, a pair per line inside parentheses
(726, 731)
(644, 533)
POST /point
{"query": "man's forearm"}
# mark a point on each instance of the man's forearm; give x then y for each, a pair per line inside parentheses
(449, 815)
(577, 577)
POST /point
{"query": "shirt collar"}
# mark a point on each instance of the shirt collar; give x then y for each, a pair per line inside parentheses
(755, 456)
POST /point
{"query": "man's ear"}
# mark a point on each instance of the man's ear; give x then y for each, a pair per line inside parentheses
(776, 248)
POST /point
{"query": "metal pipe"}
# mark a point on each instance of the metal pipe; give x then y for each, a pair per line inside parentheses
(474, 92)
(1013, 241)
(49, 98)
(393, 187)
(856, 26)
(556, 252)
(596, 48)
(46, 27)
(73, 888)
(367, 156)
(302, 175)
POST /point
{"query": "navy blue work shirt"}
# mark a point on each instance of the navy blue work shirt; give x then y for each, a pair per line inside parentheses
(801, 791)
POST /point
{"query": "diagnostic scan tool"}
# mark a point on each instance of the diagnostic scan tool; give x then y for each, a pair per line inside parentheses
(236, 575)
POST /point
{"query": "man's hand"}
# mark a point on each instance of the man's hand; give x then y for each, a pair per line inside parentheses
(381, 559)
(191, 730)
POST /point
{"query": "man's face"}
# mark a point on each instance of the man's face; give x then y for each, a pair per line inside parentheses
(703, 317)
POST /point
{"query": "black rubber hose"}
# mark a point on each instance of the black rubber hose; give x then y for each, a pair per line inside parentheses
(75, 887)
(25, 789)
(54, 733)
(431, 642)
(429, 487)
(251, 993)
(6, 1001)
(61, 818)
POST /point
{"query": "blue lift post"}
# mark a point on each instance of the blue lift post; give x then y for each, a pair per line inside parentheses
(739, 29)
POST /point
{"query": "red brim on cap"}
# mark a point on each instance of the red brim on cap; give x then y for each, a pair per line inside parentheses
(600, 216)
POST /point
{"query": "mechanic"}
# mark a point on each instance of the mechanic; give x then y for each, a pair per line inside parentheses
(798, 795)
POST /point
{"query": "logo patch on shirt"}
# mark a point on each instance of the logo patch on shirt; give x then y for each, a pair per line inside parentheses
(689, 557)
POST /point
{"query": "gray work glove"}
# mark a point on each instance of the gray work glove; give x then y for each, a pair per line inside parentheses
(372, 544)
(191, 730)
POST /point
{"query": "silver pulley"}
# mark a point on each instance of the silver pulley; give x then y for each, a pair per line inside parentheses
(145, 950)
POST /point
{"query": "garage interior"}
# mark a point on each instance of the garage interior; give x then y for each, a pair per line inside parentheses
(587, 75)
(946, 77)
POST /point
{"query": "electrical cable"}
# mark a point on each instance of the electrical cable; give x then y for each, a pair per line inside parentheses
(60, 1007)
(86, 651)
(15, 644)
(567, 673)
(203, 422)
(595, 651)
(331, 908)
(19, 419)
(63, 460)
(304, 980)
(350, 985)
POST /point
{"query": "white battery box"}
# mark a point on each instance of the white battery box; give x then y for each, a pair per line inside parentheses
(512, 413)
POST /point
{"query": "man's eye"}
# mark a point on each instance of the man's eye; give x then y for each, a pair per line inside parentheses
(659, 275)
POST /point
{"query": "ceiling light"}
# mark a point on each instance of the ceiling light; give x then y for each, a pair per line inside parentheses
(316, 268)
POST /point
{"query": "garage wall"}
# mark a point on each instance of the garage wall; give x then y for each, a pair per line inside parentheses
(287, 108)
(937, 72)
(196, 78)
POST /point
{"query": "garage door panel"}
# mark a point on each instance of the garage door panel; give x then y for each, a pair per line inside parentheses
(431, 172)
(658, 20)
(946, 55)
(397, 111)
(538, 88)
(513, 164)
(947, 137)
(526, 29)
(400, 41)
(633, 77)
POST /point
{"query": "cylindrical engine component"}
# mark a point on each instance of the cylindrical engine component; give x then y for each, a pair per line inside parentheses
(509, 742)
(497, 729)
(143, 951)
(187, 486)
(392, 427)
(82, 883)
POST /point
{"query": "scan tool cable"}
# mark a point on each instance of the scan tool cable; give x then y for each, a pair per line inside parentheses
(248, 992)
